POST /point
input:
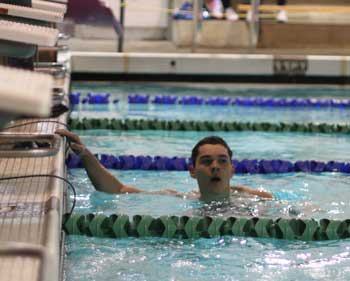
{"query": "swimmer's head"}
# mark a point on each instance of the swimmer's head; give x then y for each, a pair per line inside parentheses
(212, 168)
(215, 140)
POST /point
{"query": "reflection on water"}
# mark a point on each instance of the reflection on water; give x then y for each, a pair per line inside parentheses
(295, 195)
(247, 206)
(222, 258)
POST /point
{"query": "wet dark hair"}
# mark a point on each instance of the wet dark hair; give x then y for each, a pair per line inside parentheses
(208, 140)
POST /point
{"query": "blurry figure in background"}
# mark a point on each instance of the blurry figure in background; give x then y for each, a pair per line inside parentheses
(220, 8)
(215, 8)
(282, 13)
(230, 13)
(184, 12)
(281, 16)
(212, 9)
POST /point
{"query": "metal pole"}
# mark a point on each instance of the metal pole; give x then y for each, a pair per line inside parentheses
(169, 32)
(255, 23)
(197, 22)
(121, 19)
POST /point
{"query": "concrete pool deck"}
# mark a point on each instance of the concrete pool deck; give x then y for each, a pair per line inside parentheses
(143, 59)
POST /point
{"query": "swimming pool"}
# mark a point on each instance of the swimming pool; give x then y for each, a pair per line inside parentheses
(227, 258)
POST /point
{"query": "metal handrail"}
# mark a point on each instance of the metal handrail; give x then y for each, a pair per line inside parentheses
(25, 249)
(57, 69)
(11, 138)
(48, 64)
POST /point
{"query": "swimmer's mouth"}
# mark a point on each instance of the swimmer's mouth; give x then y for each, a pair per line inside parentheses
(215, 179)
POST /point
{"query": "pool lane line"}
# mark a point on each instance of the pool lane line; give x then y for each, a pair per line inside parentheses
(245, 166)
(210, 126)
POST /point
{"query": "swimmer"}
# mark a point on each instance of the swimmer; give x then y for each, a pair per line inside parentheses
(211, 167)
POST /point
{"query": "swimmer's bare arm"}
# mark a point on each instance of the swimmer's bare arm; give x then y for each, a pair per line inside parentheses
(170, 192)
(100, 177)
(248, 190)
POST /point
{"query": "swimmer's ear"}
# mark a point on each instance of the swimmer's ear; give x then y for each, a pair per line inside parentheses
(191, 170)
(233, 170)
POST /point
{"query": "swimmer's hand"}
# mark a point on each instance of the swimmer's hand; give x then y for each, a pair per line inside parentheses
(74, 141)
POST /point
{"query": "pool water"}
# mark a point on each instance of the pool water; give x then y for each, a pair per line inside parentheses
(225, 258)
(304, 191)
(212, 113)
(250, 145)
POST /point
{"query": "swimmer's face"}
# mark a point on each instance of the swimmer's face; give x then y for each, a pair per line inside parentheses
(213, 169)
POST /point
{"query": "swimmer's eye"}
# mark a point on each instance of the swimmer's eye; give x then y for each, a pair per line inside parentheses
(223, 160)
(209, 161)
(206, 161)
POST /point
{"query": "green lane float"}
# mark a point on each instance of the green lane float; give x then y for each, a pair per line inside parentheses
(183, 125)
(185, 227)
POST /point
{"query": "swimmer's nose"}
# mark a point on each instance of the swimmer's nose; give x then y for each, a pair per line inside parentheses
(215, 166)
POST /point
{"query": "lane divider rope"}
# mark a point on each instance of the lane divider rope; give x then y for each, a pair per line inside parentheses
(184, 227)
(245, 166)
(104, 98)
(183, 125)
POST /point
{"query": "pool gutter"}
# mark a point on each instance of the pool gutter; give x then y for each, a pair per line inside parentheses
(263, 68)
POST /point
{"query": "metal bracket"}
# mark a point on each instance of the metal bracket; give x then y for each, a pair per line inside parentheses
(58, 70)
(58, 95)
(9, 140)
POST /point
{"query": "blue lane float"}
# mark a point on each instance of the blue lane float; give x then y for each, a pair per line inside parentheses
(90, 98)
(218, 101)
(165, 100)
(103, 98)
(191, 100)
(74, 98)
(245, 166)
(138, 99)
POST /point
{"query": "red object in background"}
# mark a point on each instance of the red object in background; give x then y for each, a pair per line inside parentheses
(89, 11)
(3, 11)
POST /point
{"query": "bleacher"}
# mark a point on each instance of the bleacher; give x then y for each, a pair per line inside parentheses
(311, 24)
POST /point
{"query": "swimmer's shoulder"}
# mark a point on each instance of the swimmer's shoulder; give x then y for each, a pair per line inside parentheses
(248, 190)
(171, 192)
